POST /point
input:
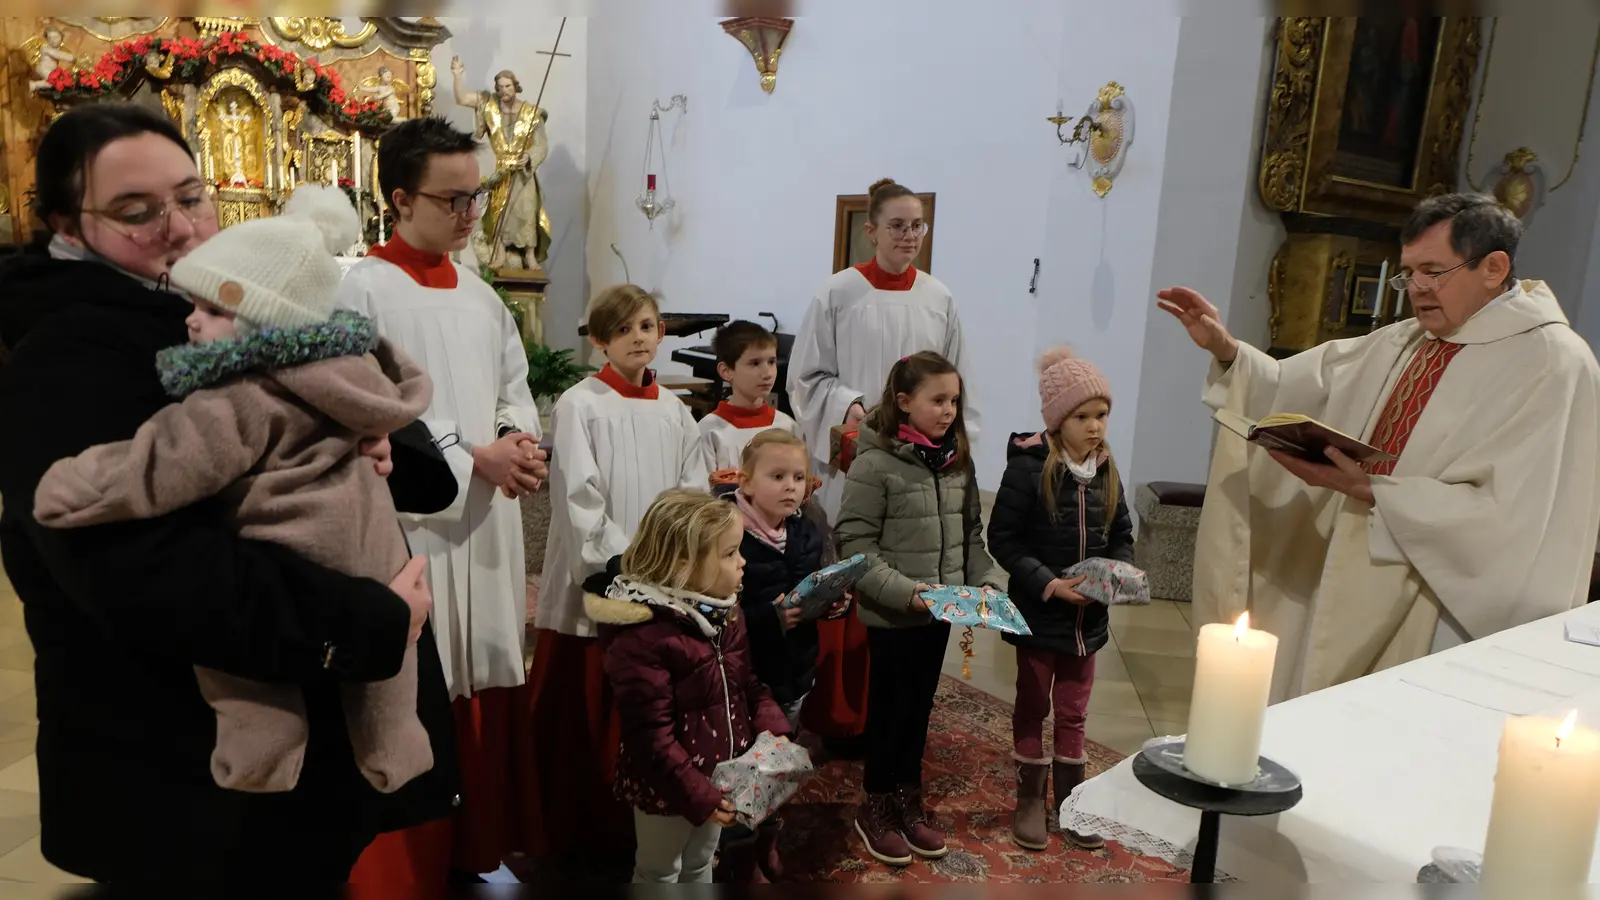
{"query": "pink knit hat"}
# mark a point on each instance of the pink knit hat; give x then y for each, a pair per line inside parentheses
(1066, 383)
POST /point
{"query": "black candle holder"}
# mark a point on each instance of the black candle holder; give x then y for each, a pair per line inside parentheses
(1274, 790)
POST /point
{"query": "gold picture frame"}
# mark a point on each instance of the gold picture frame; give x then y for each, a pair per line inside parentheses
(1367, 114)
(1366, 297)
(849, 242)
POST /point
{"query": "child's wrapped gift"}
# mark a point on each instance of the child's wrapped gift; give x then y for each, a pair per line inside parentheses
(975, 607)
(1111, 581)
(763, 779)
(820, 590)
(842, 446)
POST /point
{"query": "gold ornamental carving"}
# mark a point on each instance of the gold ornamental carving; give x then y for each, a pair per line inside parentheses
(322, 32)
(427, 80)
(1455, 99)
(764, 37)
(211, 26)
(1289, 113)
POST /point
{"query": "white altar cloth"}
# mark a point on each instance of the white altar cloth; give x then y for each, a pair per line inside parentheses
(1394, 764)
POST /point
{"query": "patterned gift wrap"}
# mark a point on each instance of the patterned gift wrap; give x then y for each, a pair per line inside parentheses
(822, 589)
(1111, 581)
(764, 778)
(976, 607)
(842, 446)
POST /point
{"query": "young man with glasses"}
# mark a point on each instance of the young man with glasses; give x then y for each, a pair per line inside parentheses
(1489, 517)
(449, 320)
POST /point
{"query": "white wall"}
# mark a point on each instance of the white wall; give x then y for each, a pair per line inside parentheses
(1531, 93)
(490, 41)
(935, 94)
(1213, 234)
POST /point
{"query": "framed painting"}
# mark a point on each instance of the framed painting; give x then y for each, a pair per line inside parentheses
(1367, 114)
(850, 247)
(1368, 292)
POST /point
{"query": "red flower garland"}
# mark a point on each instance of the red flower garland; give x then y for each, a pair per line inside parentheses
(189, 57)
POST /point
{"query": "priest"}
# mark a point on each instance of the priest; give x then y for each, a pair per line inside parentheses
(1489, 517)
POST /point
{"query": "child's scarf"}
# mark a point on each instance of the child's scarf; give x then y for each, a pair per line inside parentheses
(754, 524)
(709, 613)
(934, 456)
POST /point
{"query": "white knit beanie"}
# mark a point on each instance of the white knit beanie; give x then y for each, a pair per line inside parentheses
(277, 272)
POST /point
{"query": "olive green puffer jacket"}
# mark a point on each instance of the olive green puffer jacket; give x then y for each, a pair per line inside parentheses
(914, 525)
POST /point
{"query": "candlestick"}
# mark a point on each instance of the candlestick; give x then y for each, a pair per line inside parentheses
(1546, 807)
(1232, 684)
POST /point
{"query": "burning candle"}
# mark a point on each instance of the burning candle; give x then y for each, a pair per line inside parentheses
(1232, 683)
(1546, 807)
(650, 182)
(357, 163)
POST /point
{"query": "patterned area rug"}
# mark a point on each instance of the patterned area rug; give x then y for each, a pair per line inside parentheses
(971, 784)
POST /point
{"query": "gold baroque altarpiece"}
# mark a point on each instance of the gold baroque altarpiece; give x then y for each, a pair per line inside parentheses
(1365, 119)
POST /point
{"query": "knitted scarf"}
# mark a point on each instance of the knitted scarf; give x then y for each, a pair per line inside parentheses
(709, 613)
(187, 368)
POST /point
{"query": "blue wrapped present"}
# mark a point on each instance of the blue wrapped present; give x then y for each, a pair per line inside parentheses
(820, 590)
(975, 607)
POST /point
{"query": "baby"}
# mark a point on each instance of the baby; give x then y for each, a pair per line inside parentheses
(278, 392)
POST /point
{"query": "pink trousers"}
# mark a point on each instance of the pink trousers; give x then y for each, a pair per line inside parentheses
(1051, 682)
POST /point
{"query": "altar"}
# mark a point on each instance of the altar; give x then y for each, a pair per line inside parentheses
(265, 103)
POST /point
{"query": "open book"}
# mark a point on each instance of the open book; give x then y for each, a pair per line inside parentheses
(1300, 436)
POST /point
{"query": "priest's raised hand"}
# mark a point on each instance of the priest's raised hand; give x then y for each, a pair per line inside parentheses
(1201, 320)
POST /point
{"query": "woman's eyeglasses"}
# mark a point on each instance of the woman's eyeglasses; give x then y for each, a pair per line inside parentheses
(460, 203)
(147, 220)
(902, 229)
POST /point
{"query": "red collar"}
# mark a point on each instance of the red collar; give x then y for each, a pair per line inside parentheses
(431, 270)
(648, 391)
(887, 281)
(745, 416)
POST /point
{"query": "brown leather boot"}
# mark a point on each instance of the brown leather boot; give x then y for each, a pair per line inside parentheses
(924, 839)
(1068, 776)
(1029, 823)
(877, 821)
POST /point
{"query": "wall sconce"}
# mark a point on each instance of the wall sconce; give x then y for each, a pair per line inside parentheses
(764, 37)
(653, 202)
(1103, 135)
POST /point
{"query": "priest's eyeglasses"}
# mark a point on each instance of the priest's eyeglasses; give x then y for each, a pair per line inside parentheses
(460, 203)
(1426, 281)
(901, 229)
(147, 220)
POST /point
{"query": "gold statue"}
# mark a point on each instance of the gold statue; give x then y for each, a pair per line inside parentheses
(387, 91)
(516, 232)
(158, 68)
(47, 55)
(233, 142)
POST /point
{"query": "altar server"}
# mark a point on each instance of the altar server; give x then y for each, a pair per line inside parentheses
(1488, 519)
(453, 324)
(860, 323)
(619, 441)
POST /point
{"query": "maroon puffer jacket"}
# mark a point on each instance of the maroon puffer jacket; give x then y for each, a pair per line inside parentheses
(686, 703)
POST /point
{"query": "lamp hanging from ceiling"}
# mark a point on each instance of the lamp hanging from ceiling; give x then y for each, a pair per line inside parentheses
(655, 201)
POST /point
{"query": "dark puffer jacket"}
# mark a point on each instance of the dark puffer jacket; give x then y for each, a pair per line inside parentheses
(687, 701)
(1036, 548)
(785, 661)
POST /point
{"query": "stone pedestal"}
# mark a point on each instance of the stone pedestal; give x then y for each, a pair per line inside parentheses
(1169, 520)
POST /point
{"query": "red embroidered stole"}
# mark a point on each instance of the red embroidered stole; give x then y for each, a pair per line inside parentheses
(1408, 399)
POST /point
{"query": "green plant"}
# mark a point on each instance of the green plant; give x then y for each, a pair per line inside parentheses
(551, 372)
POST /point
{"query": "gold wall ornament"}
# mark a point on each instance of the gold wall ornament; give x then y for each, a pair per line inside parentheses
(1101, 137)
(764, 37)
(211, 26)
(427, 80)
(172, 102)
(235, 137)
(321, 32)
(1521, 186)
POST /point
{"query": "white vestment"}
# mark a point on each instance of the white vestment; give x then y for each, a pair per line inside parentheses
(467, 342)
(1489, 520)
(852, 335)
(612, 455)
(725, 442)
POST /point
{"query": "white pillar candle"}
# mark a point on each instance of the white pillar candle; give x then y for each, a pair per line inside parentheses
(357, 178)
(1232, 683)
(1383, 291)
(1546, 803)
